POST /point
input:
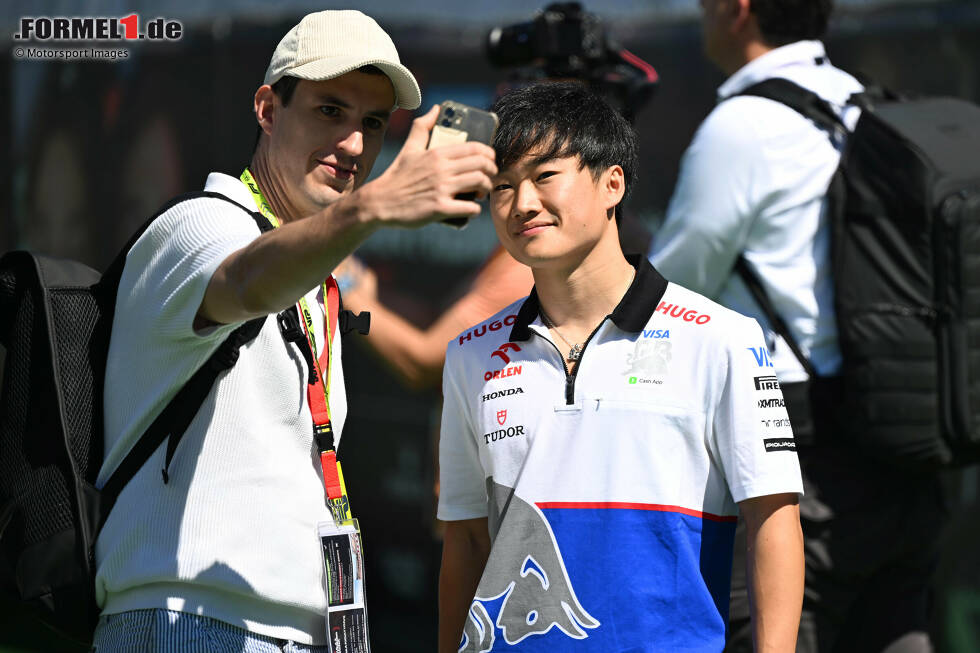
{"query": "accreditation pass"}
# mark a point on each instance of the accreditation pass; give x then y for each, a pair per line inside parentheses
(343, 573)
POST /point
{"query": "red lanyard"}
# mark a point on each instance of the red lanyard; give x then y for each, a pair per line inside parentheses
(318, 394)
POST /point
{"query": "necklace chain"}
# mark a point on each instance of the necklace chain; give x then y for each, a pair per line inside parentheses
(575, 350)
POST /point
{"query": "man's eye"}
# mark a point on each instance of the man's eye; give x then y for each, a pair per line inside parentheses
(330, 111)
(500, 187)
(374, 124)
(547, 173)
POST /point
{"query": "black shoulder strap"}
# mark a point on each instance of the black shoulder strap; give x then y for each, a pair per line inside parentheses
(177, 415)
(815, 108)
(801, 100)
(754, 284)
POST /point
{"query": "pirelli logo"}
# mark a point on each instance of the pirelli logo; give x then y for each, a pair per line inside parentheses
(766, 383)
(780, 444)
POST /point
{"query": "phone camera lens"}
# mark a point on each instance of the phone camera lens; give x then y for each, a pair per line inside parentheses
(450, 112)
(446, 122)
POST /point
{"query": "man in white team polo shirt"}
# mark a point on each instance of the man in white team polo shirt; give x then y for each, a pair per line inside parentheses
(600, 436)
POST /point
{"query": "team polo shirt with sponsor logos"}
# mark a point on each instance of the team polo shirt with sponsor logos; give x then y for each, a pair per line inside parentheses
(611, 492)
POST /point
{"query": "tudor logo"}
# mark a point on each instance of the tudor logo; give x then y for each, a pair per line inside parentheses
(501, 416)
(502, 351)
(509, 432)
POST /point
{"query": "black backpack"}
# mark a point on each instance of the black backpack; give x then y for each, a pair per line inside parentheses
(55, 322)
(904, 214)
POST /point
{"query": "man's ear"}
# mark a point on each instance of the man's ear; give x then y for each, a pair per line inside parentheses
(613, 185)
(265, 105)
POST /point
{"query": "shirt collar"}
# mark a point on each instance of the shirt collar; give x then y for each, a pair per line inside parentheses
(631, 313)
(231, 187)
(769, 64)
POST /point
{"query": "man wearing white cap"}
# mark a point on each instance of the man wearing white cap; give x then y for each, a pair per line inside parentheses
(222, 554)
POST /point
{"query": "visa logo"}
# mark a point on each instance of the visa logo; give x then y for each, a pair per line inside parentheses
(656, 333)
(761, 356)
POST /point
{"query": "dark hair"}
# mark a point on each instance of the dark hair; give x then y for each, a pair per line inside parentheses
(563, 119)
(787, 21)
(285, 86)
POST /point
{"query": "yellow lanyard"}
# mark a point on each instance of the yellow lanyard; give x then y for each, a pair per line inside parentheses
(304, 308)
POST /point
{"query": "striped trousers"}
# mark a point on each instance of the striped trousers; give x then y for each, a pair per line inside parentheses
(169, 631)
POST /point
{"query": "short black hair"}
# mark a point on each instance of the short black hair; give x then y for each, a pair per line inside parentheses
(285, 86)
(787, 21)
(563, 119)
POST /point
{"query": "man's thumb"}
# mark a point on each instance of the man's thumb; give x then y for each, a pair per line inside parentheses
(418, 137)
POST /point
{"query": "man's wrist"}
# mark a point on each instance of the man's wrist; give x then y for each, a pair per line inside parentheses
(365, 208)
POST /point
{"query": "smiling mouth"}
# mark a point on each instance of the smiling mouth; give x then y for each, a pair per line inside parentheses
(532, 229)
(337, 171)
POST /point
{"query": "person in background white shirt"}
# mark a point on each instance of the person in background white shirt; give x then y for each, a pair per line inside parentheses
(753, 182)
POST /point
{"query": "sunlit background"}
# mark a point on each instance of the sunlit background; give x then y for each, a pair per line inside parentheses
(94, 148)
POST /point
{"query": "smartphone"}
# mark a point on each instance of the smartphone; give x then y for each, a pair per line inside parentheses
(459, 123)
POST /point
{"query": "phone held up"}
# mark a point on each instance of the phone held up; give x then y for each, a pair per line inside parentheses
(459, 123)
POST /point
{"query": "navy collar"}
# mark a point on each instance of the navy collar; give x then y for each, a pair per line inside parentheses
(631, 314)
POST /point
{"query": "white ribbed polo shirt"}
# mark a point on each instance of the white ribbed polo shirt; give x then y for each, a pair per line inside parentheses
(232, 536)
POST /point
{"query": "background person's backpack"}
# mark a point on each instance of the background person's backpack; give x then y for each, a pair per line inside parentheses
(55, 321)
(904, 214)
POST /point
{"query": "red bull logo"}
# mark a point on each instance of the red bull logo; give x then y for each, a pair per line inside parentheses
(527, 569)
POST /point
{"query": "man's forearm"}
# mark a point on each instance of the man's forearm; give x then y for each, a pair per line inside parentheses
(775, 572)
(278, 267)
(463, 559)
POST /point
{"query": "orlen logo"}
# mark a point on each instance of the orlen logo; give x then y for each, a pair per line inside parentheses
(502, 351)
(502, 374)
(688, 315)
(480, 331)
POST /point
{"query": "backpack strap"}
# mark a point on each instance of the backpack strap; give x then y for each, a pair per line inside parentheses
(174, 419)
(803, 101)
(815, 108)
(754, 284)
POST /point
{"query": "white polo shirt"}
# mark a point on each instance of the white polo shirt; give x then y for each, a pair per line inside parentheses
(754, 180)
(611, 493)
(232, 535)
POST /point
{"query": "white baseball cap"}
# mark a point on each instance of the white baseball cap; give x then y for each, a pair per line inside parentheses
(328, 44)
